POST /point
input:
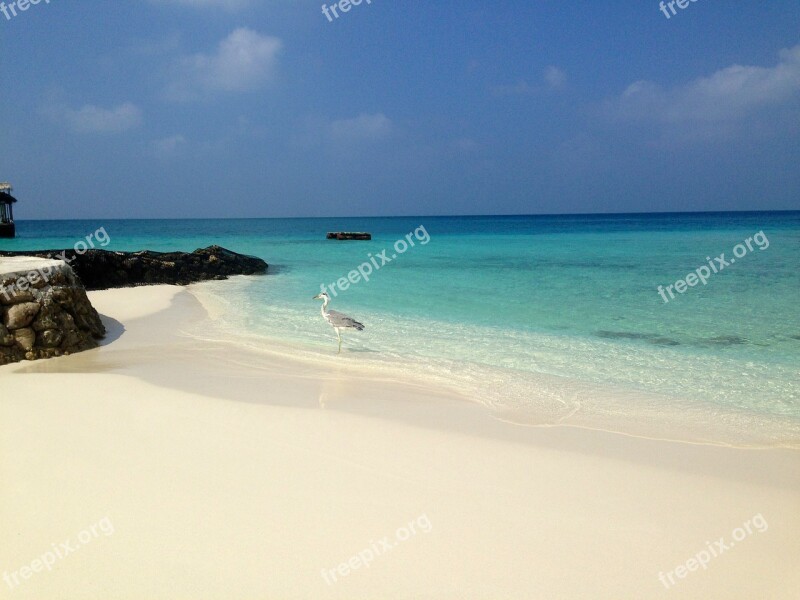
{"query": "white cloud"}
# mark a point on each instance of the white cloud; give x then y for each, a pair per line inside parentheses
(362, 127)
(243, 61)
(94, 119)
(555, 77)
(727, 95)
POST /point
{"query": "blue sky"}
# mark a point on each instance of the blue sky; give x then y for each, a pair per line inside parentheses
(260, 108)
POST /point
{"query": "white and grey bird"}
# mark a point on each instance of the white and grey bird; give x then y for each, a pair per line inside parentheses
(336, 319)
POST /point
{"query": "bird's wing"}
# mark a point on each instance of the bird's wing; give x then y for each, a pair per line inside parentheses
(338, 319)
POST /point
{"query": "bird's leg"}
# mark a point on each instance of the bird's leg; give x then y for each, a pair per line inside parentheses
(339, 335)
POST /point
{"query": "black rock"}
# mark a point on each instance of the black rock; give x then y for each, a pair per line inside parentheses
(349, 235)
(104, 269)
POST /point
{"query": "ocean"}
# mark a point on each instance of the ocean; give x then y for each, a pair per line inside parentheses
(545, 320)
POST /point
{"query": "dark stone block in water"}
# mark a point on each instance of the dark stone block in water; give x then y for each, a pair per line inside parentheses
(104, 269)
(349, 235)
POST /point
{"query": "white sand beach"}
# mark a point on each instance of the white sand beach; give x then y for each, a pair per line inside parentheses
(212, 472)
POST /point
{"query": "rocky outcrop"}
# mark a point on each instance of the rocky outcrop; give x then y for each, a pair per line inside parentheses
(103, 269)
(44, 311)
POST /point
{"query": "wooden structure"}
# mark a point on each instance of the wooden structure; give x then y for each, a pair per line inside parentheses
(7, 227)
(348, 235)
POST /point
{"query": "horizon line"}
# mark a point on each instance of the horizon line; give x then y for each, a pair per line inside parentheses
(440, 216)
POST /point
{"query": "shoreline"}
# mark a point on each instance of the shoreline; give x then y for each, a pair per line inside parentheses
(208, 463)
(294, 363)
(656, 416)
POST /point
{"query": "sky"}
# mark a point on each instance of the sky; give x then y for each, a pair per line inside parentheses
(270, 108)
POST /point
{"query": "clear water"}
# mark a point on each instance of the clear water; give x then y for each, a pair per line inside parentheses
(550, 319)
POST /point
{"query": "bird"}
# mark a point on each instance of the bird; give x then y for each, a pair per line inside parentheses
(336, 319)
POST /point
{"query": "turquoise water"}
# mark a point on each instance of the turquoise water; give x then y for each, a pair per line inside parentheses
(545, 320)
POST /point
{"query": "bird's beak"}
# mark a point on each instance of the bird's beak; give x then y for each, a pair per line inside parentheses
(317, 297)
